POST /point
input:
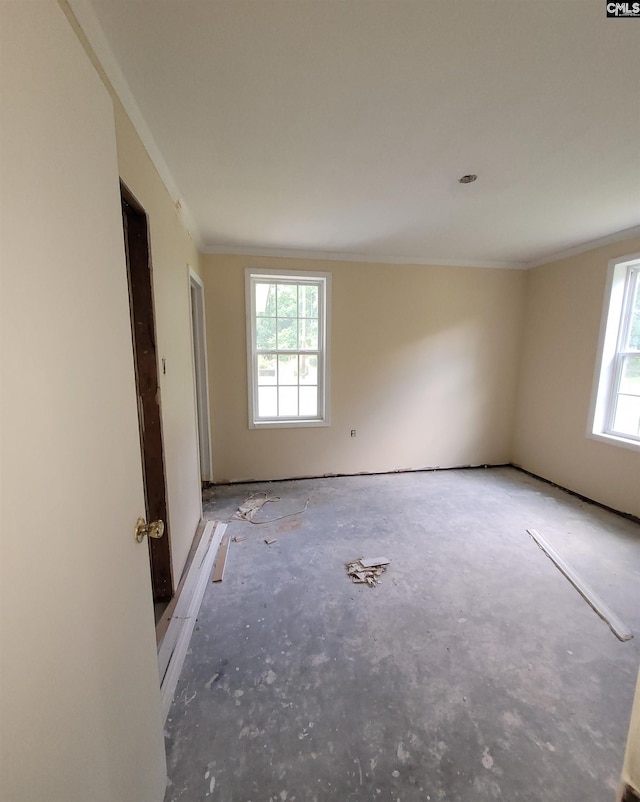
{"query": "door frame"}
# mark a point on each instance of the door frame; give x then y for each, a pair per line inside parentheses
(200, 374)
(143, 334)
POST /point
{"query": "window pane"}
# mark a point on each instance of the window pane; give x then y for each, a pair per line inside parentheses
(288, 401)
(287, 300)
(288, 357)
(308, 369)
(627, 418)
(308, 305)
(634, 328)
(266, 369)
(265, 333)
(287, 334)
(267, 402)
(288, 369)
(265, 300)
(309, 401)
(630, 380)
(308, 335)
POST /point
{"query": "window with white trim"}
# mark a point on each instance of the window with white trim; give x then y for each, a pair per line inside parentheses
(287, 348)
(616, 415)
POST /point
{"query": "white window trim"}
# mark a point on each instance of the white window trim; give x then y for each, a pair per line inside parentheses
(605, 381)
(324, 375)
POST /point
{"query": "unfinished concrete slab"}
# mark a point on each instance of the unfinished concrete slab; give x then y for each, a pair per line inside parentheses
(473, 671)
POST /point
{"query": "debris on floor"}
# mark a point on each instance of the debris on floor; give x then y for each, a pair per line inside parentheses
(238, 538)
(221, 560)
(249, 508)
(367, 570)
(373, 562)
(270, 540)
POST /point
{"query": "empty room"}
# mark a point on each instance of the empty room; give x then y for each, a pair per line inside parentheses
(320, 393)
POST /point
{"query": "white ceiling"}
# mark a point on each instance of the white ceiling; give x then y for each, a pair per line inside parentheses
(342, 126)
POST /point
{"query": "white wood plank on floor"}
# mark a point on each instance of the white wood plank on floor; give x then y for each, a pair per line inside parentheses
(180, 611)
(201, 568)
(616, 625)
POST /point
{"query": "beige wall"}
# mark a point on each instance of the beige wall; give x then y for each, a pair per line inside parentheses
(423, 366)
(172, 252)
(562, 325)
(80, 713)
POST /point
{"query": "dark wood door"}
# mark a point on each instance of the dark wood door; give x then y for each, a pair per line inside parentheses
(139, 270)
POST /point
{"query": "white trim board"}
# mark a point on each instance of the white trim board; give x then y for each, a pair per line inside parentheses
(286, 253)
(200, 373)
(182, 604)
(583, 247)
(615, 624)
(331, 256)
(176, 641)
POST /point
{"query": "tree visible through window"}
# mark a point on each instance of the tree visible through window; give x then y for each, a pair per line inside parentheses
(288, 350)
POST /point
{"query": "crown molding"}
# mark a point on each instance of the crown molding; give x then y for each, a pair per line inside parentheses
(90, 24)
(600, 242)
(332, 256)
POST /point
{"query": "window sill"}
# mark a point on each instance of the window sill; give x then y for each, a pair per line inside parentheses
(614, 440)
(288, 424)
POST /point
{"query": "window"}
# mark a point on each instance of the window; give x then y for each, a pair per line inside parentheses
(616, 407)
(287, 348)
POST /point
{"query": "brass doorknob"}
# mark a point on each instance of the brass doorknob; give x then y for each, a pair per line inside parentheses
(154, 529)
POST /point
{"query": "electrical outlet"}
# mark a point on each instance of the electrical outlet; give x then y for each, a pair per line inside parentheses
(353, 433)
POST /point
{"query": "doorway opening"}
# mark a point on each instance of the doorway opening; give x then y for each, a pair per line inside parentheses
(199, 342)
(143, 332)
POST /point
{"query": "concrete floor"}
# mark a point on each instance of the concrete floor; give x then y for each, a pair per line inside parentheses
(473, 672)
